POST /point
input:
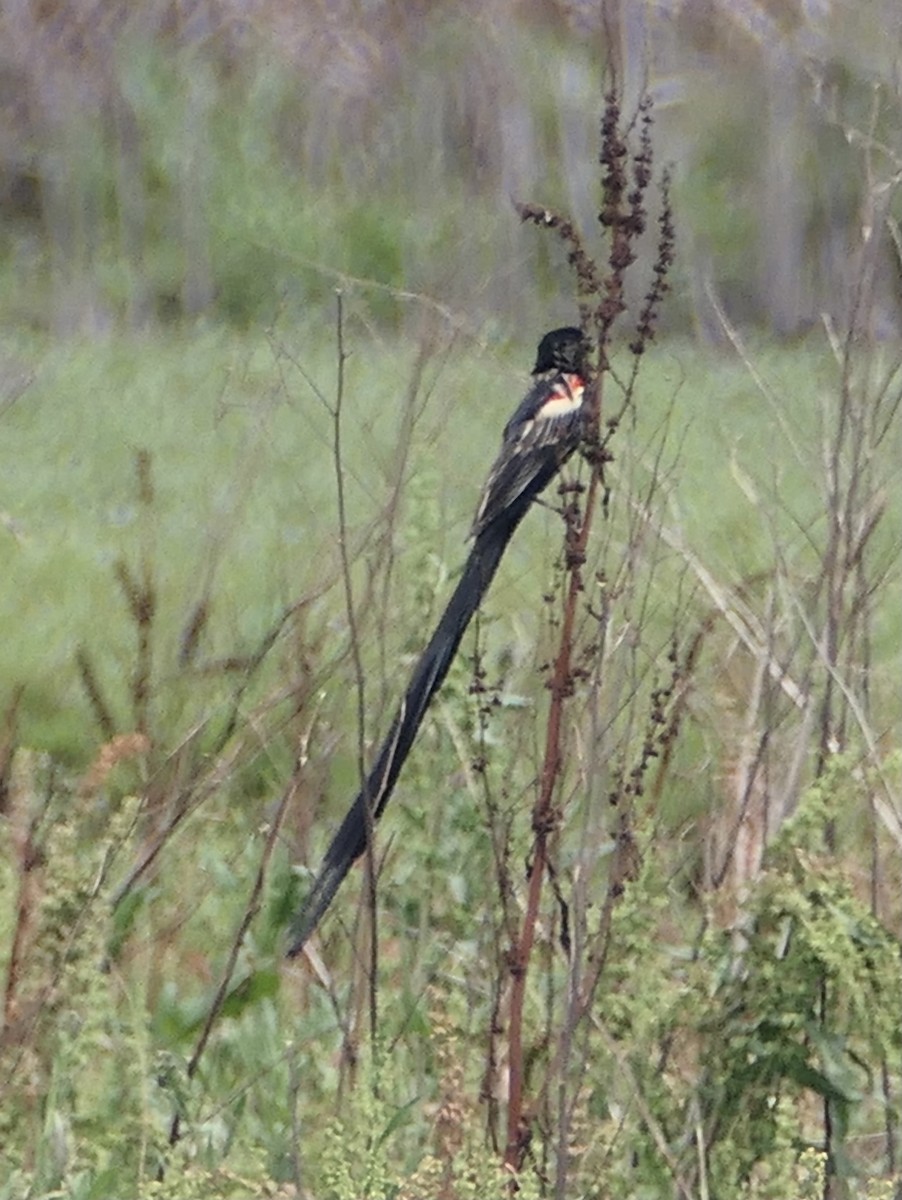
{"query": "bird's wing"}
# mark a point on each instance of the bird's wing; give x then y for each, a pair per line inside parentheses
(543, 432)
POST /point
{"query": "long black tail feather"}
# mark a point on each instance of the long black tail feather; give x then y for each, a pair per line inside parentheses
(351, 839)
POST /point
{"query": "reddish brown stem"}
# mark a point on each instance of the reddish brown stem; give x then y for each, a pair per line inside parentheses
(543, 820)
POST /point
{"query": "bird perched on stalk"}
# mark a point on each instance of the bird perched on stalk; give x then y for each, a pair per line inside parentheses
(543, 433)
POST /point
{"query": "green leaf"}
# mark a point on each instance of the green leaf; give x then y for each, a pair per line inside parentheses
(261, 985)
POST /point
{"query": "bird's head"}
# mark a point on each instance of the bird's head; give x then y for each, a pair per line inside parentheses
(562, 350)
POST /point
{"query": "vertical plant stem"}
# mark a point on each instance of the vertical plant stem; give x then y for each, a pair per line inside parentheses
(359, 677)
(543, 816)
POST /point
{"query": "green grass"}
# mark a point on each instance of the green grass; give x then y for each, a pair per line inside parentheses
(241, 464)
(244, 505)
(245, 492)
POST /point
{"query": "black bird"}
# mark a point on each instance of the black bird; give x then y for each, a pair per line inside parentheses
(540, 436)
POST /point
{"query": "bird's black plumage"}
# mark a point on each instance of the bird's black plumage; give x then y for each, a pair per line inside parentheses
(541, 435)
(543, 432)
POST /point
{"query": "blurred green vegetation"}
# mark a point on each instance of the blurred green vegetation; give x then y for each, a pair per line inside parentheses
(244, 508)
(237, 508)
(235, 187)
(747, 1056)
(180, 198)
(230, 170)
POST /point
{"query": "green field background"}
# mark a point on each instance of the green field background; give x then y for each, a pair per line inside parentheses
(218, 230)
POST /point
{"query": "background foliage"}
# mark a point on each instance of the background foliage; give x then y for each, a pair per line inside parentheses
(161, 161)
(181, 189)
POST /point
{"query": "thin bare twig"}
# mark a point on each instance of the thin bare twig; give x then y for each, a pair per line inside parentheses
(359, 676)
(251, 910)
